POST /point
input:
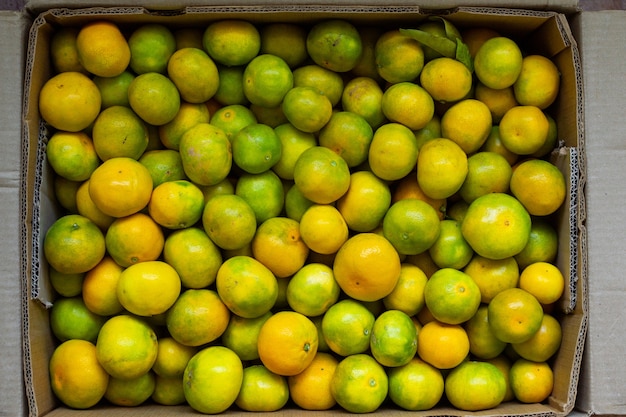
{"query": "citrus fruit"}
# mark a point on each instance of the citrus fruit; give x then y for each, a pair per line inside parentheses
(246, 286)
(189, 115)
(120, 186)
(474, 37)
(543, 344)
(398, 57)
(197, 317)
(264, 192)
(172, 358)
(63, 51)
(225, 186)
(441, 168)
(394, 338)
(229, 221)
(408, 187)
(306, 108)
(503, 363)
(271, 116)
(71, 319)
(497, 100)
(296, 203)
(468, 123)
(119, 132)
(230, 88)
(412, 226)
(62, 94)
(451, 296)
(232, 118)
(409, 104)
(494, 144)
(241, 335)
(65, 193)
(292, 143)
(262, 390)
(99, 288)
(515, 315)
(287, 343)
(168, 391)
(366, 66)
(151, 46)
(86, 207)
(359, 384)
(492, 275)
(487, 172)
(416, 386)
(193, 255)
(347, 327)
(349, 135)
(367, 267)
(551, 141)
(539, 185)
(76, 376)
(114, 90)
(432, 130)
(442, 345)
(102, 48)
(531, 382)
(498, 62)
(72, 155)
(496, 226)
(334, 44)
(538, 83)
(450, 250)
(194, 73)
(278, 245)
(310, 389)
(163, 165)
(231, 41)
(126, 346)
(483, 343)
(323, 228)
(256, 148)
(446, 79)
(130, 392)
(154, 98)
(134, 239)
(475, 385)
(206, 153)
(542, 244)
(325, 81)
(266, 80)
(212, 379)
(66, 285)
(312, 290)
(364, 205)
(286, 40)
(321, 175)
(393, 152)
(524, 129)
(176, 204)
(73, 244)
(408, 294)
(363, 96)
(438, 28)
(148, 288)
(543, 280)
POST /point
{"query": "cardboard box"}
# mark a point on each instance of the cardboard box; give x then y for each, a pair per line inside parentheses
(602, 389)
(12, 38)
(544, 32)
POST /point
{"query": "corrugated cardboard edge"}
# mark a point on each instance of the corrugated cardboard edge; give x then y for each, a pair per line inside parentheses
(38, 193)
(13, 27)
(603, 365)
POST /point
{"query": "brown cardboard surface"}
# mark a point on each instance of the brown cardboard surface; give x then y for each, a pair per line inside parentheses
(40, 209)
(12, 32)
(602, 387)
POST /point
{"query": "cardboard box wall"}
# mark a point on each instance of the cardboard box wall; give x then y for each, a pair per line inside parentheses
(41, 208)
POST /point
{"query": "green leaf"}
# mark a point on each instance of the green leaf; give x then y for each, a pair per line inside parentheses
(463, 55)
(444, 46)
(451, 31)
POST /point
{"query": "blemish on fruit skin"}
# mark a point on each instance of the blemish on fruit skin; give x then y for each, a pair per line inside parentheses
(372, 382)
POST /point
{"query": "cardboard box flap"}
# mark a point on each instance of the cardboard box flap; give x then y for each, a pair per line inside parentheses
(565, 6)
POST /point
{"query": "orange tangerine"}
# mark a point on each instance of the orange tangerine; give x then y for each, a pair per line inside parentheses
(515, 315)
(194, 73)
(232, 41)
(176, 204)
(394, 338)
(542, 244)
(543, 344)
(189, 115)
(441, 168)
(497, 100)
(498, 62)
(408, 187)
(197, 317)
(492, 275)
(412, 226)
(364, 205)
(321, 175)
(256, 148)
(247, 287)
(66, 285)
(267, 79)
(408, 103)
(230, 88)
(487, 172)
(287, 343)
(524, 129)
(86, 207)
(349, 135)
(442, 345)
(483, 342)
(99, 288)
(71, 319)
(63, 51)
(134, 239)
(151, 46)
(446, 79)
(264, 193)
(196, 145)
(323, 228)
(229, 221)
(130, 392)
(168, 391)
(72, 155)
(360, 384)
(450, 250)
(531, 382)
(102, 48)
(334, 44)
(241, 335)
(119, 132)
(347, 327)
(278, 245)
(172, 358)
(539, 185)
(307, 108)
(538, 83)
(310, 389)
(416, 386)
(262, 390)
(312, 290)
(451, 296)
(293, 142)
(148, 288)
(398, 57)
(408, 294)
(163, 165)
(325, 81)
(468, 123)
(475, 385)
(154, 98)
(363, 96)
(543, 280)
(392, 152)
